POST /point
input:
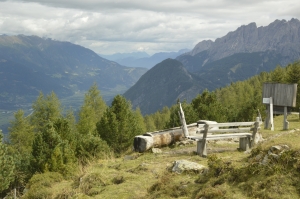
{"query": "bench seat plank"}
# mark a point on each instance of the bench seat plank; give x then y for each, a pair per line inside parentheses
(221, 136)
(232, 124)
(234, 130)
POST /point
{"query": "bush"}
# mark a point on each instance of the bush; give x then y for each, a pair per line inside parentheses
(39, 185)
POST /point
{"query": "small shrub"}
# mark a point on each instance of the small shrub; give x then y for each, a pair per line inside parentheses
(37, 192)
(212, 193)
(217, 166)
(39, 185)
(45, 179)
(92, 184)
(118, 180)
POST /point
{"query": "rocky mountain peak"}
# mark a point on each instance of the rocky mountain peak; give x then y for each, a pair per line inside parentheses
(201, 46)
(280, 36)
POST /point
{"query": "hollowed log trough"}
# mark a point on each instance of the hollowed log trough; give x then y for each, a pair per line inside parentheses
(147, 141)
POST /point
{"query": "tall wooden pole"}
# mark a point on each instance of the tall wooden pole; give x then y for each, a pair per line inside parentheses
(271, 114)
(184, 127)
(285, 122)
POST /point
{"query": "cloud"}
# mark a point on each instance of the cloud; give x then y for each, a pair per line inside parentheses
(110, 26)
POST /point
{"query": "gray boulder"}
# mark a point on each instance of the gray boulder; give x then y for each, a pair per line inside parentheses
(180, 166)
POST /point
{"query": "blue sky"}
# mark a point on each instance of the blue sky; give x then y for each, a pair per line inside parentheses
(119, 26)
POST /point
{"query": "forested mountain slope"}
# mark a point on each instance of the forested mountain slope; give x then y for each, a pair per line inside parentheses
(29, 64)
(162, 85)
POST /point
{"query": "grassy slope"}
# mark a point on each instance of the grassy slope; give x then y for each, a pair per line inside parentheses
(146, 175)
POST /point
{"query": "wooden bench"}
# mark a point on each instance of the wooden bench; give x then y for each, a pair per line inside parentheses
(245, 131)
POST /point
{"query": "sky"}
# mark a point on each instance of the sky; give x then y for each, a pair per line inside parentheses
(123, 26)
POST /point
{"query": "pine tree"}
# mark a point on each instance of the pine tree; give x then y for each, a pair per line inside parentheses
(21, 137)
(45, 109)
(91, 111)
(207, 107)
(140, 120)
(21, 133)
(7, 166)
(293, 73)
(278, 75)
(119, 125)
(150, 126)
(51, 150)
(293, 77)
(190, 115)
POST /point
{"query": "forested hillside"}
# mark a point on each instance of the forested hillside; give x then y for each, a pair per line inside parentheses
(50, 141)
(29, 64)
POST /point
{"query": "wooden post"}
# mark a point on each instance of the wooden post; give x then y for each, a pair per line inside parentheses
(285, 122)
(259, 115)
(244, 143)
(267, 121)
(201, 145)
(184, 127)
(255, 130)
(15, 193)
(271, 114)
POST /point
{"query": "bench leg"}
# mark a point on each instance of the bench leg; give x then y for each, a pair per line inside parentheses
(201, 150)
(245, 143)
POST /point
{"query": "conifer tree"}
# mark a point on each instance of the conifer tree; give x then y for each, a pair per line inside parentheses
(45, 109)
(278, 75)
(293, 73)
(140, 120)
(7, 166)
(51, 150)
(91, 111)
(190, 115)
(21, 134)
(150, 126)
(119, 125)
(21, 137)
(293, 77)
(207, 107)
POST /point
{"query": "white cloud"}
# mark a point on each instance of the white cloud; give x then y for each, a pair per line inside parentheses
(110, 26)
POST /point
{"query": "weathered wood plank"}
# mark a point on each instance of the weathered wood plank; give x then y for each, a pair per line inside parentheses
(233, 130)
(232, 124)
(221, 136)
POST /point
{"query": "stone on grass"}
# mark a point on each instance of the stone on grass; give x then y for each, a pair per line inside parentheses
(180, 166)
(156, 150)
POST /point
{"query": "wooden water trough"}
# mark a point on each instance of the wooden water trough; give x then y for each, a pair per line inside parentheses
(161, 138)
(168, 137)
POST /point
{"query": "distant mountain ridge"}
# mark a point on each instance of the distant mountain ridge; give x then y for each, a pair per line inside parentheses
(280, 36)
(30, 64)
(238, 55)
(136, 59)
(120, 56)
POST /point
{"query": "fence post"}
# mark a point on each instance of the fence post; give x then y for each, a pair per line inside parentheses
(255, 130)
(202, 146)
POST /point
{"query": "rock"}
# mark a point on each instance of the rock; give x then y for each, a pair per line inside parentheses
(156, 150)
(273, 153)
(180, 166)
(128, 157)
(266, 160)
(184, 142)
(278, 148)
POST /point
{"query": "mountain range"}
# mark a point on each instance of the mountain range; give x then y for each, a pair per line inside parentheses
(240, 54)
(30, 64)
(142, 59)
